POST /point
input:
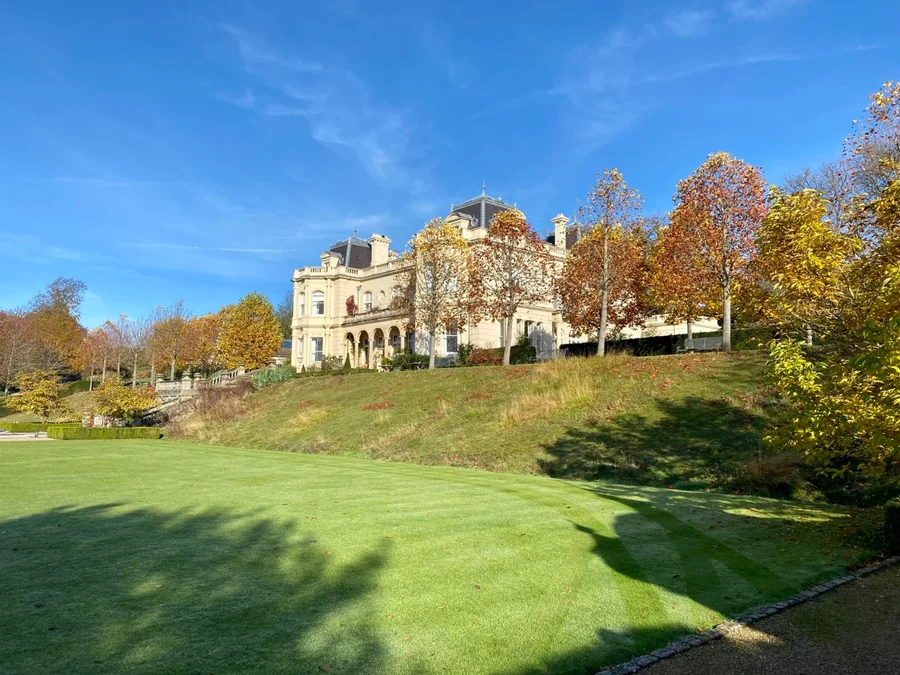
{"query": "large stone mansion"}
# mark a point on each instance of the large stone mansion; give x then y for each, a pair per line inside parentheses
(365, 270)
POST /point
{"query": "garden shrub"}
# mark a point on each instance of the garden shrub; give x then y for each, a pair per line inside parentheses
(266, 376)
(484, 357)
(72, 433)
(892, 526)
(780, 475)
(405, 360)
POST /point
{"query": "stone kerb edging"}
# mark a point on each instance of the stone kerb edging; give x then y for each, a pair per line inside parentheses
(722, 629)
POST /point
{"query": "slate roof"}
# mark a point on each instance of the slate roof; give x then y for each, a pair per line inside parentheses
(354, 252)
(481, 209)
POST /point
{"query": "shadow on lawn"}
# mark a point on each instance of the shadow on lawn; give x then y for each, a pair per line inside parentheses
(650, 545)
(99, 589)
(693, 442)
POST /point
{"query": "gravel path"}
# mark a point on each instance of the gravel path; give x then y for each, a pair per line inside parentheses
(853, 629)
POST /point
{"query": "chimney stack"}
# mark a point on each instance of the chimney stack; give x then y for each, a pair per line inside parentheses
(380, 247)
(559, 230)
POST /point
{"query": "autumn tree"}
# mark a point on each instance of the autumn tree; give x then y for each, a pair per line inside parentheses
(285, 315)
(137, 339)
(168, 334)
(94, 348)
(435, 279)
(843, 397)
(38, 394)
(720, 206)
(681, 286)
(114, 400)
(117, 336)
(610, 209)
(583, 292)
(834, 181)
(53, 321)
(512, 267)
(16, 347)
(873, 149)
(201, 344)
(249, 336)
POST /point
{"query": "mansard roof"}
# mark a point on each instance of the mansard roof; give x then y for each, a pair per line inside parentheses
(353, 252)
(481, 210)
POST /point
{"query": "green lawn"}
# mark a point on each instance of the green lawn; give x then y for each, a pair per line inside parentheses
(687, 421)
(167, 557)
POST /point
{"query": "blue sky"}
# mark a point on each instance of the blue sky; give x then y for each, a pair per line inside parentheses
(202, 150)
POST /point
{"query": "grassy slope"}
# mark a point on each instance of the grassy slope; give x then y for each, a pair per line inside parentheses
(687, 421)
(167, 557)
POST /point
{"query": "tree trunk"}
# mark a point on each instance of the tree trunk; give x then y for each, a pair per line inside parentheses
(91, 383)
(690, 329)
(103, 374)
(726, 319)
(134, 373)
(604, 298)
(431, 351)
(172, 369)
(507, 348)
(152, 371)
(809, 336)
(118, 367)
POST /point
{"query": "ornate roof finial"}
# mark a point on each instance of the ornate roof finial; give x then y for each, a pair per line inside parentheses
(483, 188)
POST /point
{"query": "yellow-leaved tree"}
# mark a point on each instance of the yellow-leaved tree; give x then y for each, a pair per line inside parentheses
(435, 280)
(115, 400)
(249, 335)
(38, 394)
(843, 395)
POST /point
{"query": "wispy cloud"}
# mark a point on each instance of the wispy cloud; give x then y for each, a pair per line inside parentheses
(337, 106)
(760, 10)
(704, 68)
(688, 23)
(247, 100)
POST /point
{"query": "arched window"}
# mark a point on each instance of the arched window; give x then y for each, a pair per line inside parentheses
(367, 301)
(301, 304)
(318, 303)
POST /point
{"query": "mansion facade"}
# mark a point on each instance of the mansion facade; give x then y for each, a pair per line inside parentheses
(365, 269)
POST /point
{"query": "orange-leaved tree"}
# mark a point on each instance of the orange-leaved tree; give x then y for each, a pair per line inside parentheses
(201, 342)
(435, 279)
(611, 207)
(721, 206)
(249, 334)
(681, 286)
(587, 301)
(512, 267)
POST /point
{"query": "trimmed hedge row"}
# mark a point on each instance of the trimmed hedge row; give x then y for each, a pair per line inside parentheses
(103, 433)
(32, 427)
(741, 339)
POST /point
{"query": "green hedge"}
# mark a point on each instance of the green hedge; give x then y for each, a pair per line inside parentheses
(64, 433)
(32, 427)
(892, 527)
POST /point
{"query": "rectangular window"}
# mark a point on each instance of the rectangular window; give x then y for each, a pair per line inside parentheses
(300, 348)
(318, 303)
(451, 340)
(317, 345)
